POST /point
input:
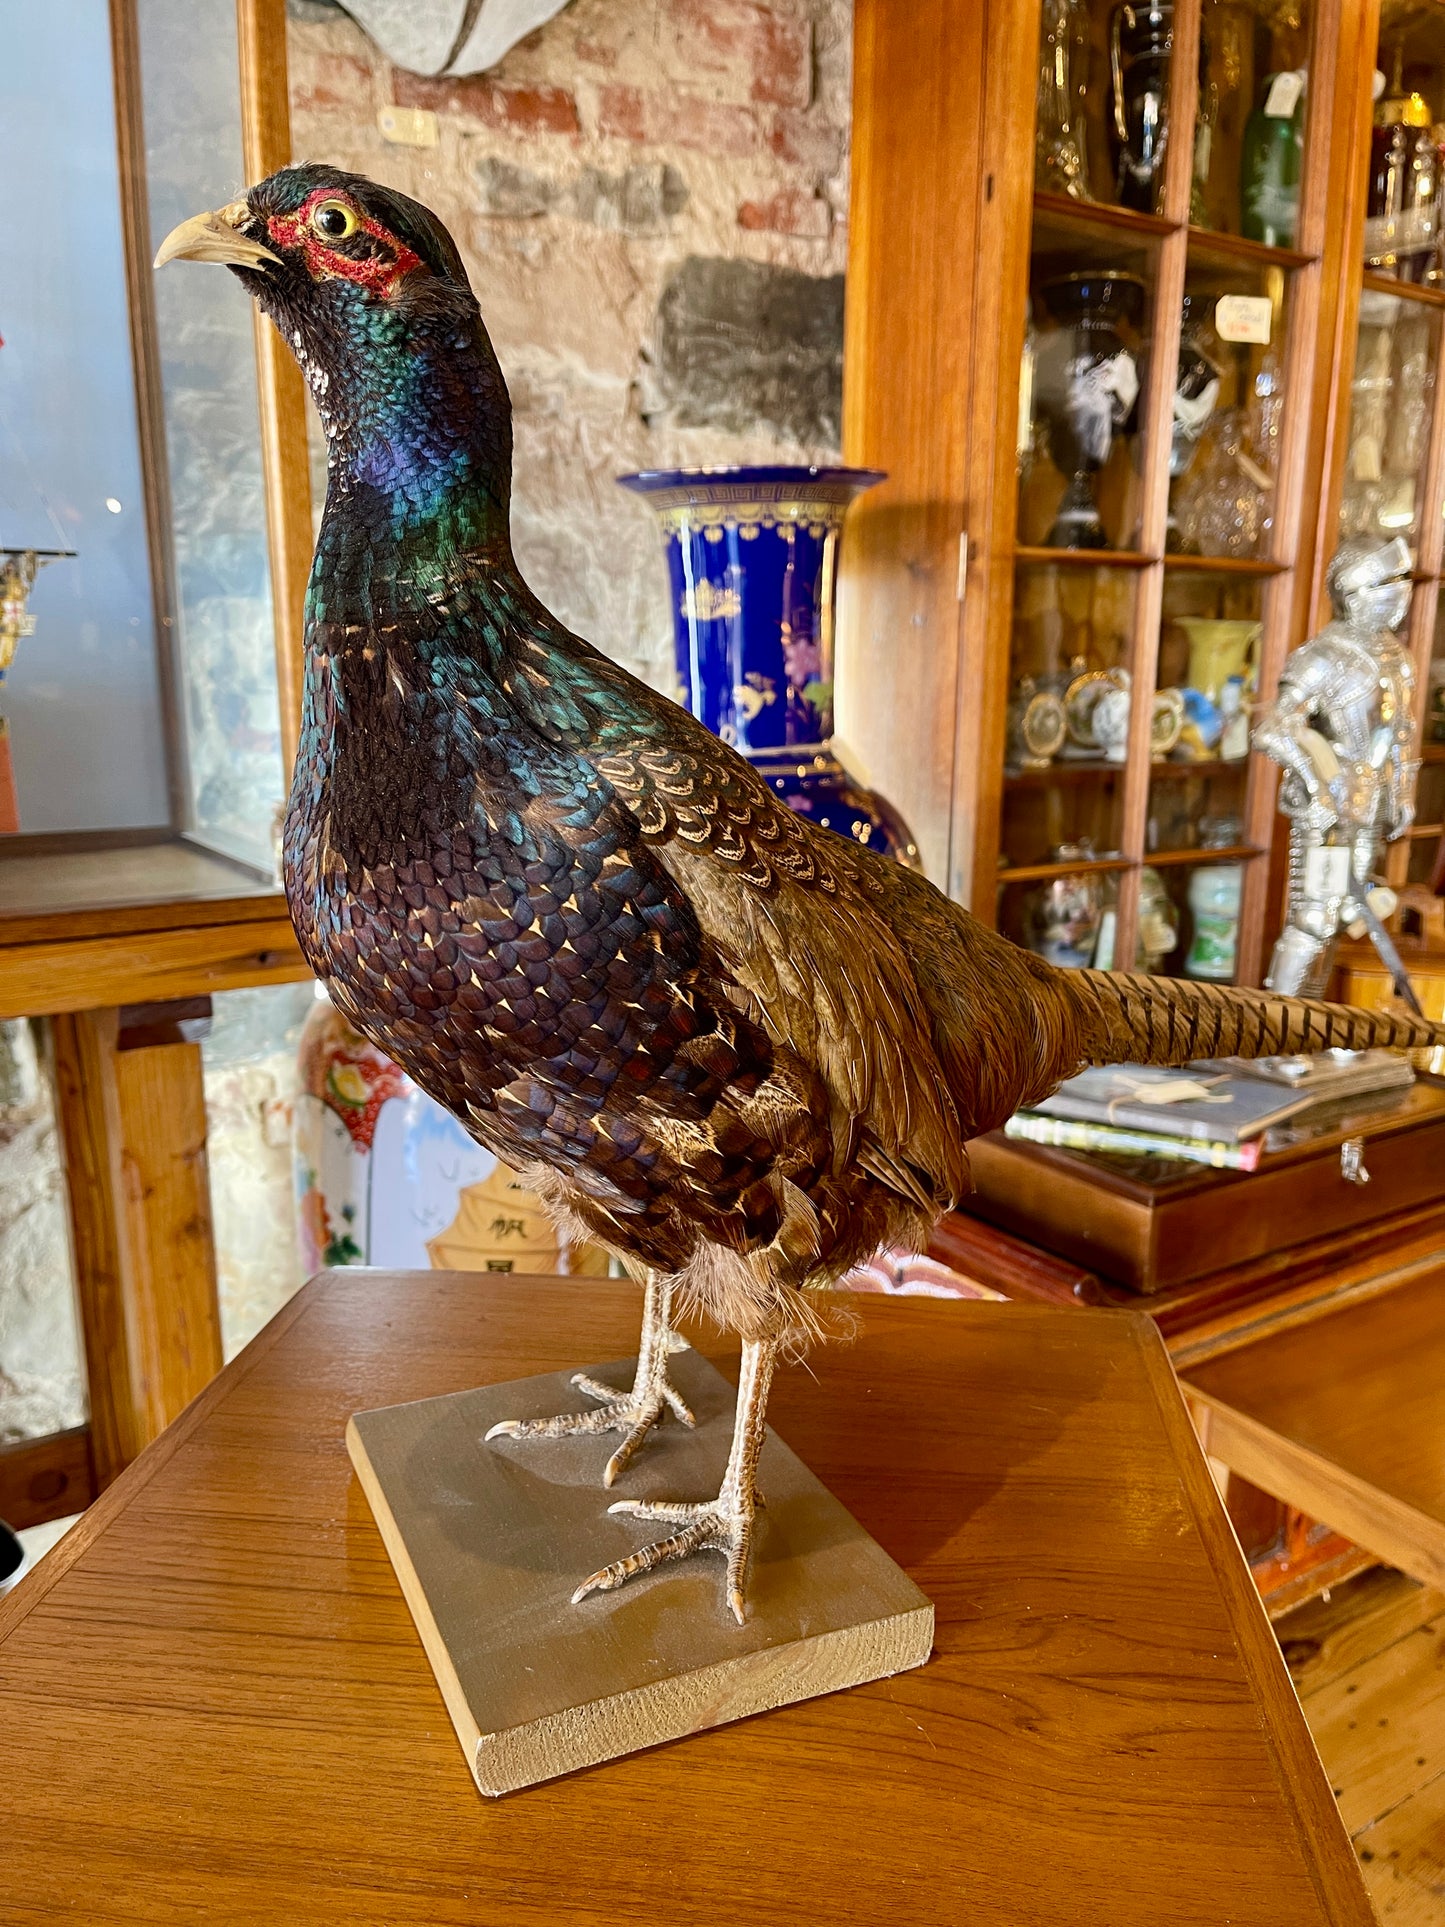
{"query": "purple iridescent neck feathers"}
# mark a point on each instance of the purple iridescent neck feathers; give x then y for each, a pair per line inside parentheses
(418, 432)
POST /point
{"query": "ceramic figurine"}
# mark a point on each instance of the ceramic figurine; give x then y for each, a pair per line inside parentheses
(1037, 727)
(386, 1176)
(1158, 921)
(1111, 719)
(742, 1053)
(1158, 929)
(1063, 915)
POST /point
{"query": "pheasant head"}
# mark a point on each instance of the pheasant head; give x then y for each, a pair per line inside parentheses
(368, 290)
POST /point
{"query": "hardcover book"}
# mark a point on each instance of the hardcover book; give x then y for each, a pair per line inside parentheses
(1215, 1106)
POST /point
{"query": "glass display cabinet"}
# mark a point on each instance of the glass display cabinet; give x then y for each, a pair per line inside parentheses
(153, 551)
(1391, 460)
(1115, 505)
(143, 754)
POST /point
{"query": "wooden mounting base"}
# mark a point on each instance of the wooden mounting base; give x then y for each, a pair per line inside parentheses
(488, 1542)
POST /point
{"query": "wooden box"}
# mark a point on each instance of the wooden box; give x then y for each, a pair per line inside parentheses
(1148, 1224)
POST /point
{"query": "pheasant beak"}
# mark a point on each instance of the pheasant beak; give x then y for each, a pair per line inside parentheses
(216, 237)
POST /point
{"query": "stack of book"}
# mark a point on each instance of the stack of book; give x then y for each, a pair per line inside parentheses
(1216, 1113)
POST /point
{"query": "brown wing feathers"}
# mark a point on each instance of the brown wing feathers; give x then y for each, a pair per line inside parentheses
(923, 1026)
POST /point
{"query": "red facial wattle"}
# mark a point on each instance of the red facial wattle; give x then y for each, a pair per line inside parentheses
(378, 274)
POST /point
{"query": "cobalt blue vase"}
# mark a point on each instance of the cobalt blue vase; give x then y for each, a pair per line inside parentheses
(752, 561)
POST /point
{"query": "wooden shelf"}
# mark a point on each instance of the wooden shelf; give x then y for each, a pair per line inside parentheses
(1406, 290)
(1164, 769)
(1432, 752)
(1212, 245)
(1034, 556)
(90, 885)
(1246, 565)
(1177, 859)
(1043, 872)
(1170, 769)
(1061, 774)
(1422, 832)
(1063, 210)
(1030, 556)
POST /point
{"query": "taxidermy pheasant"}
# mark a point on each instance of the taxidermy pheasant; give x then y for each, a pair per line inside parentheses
(739, 1051)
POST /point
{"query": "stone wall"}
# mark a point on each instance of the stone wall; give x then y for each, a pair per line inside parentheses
(41, 1388)
(650, 196)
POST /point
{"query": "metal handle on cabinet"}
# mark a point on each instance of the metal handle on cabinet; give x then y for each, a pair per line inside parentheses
(1352, 1161)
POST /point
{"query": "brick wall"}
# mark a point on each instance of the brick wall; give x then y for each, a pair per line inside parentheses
(650, 196)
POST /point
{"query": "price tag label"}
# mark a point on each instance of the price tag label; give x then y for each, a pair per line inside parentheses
(1244, 317)
(1284, 95)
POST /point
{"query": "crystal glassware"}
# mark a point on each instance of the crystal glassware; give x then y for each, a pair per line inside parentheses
(1086, 388)
(1196, 395)
(1141, 41)
(1061, 154)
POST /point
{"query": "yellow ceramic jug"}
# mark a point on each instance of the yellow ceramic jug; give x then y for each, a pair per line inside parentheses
(1219, 647)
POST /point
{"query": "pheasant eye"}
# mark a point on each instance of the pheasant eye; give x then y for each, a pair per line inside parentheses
(335, 220)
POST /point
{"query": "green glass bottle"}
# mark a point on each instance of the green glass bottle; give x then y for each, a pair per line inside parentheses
(1269, 172)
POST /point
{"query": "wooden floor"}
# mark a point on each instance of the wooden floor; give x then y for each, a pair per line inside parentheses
(1369, 1666)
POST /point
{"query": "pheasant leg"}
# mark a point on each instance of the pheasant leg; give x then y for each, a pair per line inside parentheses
(723, 1524)
(635, 1412)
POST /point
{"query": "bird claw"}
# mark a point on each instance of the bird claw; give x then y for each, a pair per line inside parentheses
(723, 1524)
(633, 1413)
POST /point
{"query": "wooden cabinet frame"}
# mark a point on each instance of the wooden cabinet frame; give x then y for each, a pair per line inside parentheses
(266, 141)
(1430, 540)
(942, 213)
(132, 1115)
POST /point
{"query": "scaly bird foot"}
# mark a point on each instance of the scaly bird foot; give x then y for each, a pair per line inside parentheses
(634, 1412)
(723, 1524)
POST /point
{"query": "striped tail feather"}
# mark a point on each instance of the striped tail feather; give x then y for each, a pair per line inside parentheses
(1138, 1019)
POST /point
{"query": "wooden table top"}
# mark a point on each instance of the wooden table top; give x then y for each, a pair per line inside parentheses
(215, 1705)
(1338, 1410)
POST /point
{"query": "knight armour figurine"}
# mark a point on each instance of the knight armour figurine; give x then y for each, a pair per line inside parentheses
(1340, 728)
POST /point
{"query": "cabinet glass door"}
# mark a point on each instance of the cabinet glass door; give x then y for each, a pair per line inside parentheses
(1167, 368)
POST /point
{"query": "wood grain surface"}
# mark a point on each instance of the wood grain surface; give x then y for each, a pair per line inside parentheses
(46, 1478)
(133, 1132)
(216, 1706)
(489, 1540)
(42, 979)
(1151, 1237)
(42, 888)
(1369, 1666)
(1342, 1416)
